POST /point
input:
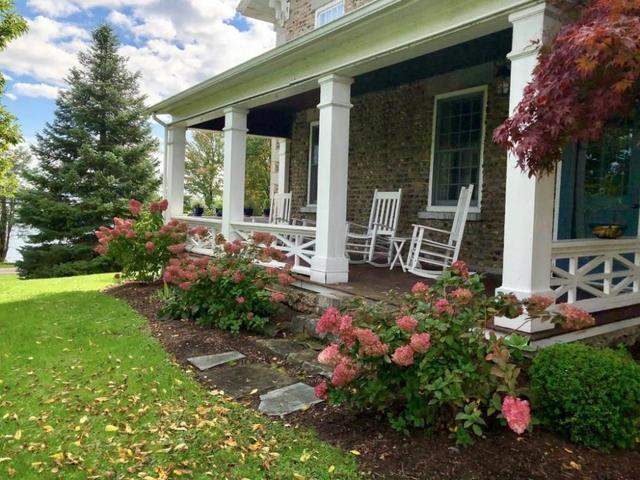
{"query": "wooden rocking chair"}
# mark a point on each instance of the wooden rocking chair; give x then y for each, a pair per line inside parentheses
(280, 211)
(425, 252)
(373, 241)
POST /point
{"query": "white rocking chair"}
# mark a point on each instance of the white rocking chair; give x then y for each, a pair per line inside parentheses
(425, 252)
(374, 240)
(280, 211)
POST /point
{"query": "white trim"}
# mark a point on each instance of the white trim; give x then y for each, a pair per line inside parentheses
(458, 93)
(586, 333)
(315, 123)
(320, 10)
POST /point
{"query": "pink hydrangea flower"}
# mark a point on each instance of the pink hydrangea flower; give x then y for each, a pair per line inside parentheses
(370, 343)
(461, 269)
(329, 321)
(403, 356)
(320, 390)
(185, 285)
(345, 372)
(462, 295)
(240, 300)
(237, 277)
(517, 413)
(135, 207)
(330, 356)
(149, 246)
(278, 297)
(419, 288)
(177, 248)
(443, 306)
(420, 342)
(538, 303)
(407, 323)
(574, 317)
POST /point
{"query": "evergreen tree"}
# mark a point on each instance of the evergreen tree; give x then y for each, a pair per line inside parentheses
(96, 155)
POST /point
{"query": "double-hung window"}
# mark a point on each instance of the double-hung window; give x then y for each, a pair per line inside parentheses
(458, 139)
(312, 185)
(329, 12)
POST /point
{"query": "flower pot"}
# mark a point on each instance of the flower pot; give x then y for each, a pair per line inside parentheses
(219, 212)
(266, 212)
(608, 231)
(198, 211)
(248, 212)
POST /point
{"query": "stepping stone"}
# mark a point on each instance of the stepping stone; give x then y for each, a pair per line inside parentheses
(281, 346)
(240, 380)
(209, 361)
(288, 400)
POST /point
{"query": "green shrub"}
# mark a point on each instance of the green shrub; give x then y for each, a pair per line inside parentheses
(590, 395)
(228, 290)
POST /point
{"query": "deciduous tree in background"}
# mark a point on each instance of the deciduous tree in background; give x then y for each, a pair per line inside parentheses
(587, 77)
(203, 168)
(204, 164)
(12, 25)
(96, 155)
(12, 163)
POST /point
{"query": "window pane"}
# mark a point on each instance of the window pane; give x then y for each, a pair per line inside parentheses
(458, 146)
(329, 14)
(313, 165)
(600, 183)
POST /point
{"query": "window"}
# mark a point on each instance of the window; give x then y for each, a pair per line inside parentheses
(458, 140)
(599, 183)
(312, 186)
(330, 12)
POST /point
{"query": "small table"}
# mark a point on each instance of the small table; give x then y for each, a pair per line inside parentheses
(397, 244)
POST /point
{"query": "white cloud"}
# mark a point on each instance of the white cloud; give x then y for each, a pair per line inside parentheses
(35, 90)
(10, 96)
(46, 52)
(177, 43)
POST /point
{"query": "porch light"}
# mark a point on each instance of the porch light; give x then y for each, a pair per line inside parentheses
(503, 78)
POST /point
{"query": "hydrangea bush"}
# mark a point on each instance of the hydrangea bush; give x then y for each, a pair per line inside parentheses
(228, 290)
(428, 362)
(142, 245)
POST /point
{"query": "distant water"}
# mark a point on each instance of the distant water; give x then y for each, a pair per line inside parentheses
(17, 241)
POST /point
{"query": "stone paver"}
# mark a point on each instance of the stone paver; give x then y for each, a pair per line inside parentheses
(241, 380)
(281, 346)
(287, 400)
(209, 361)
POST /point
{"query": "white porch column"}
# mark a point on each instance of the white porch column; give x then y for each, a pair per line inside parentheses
(174, 152)
(235, 150)
(528, 225)
(283, 165)
(330, 265)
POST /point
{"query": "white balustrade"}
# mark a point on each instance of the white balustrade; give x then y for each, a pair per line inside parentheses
(297, 243)
(596, 274)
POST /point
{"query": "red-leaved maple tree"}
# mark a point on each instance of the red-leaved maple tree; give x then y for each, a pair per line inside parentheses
(586, 77)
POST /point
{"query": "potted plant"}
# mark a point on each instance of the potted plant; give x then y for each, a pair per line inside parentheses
(198, 210)
(248, 212)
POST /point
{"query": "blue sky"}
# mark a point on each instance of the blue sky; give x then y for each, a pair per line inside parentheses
(173, 43)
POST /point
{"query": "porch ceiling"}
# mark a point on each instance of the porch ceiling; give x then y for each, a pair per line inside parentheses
(275, 119)
(377, 35)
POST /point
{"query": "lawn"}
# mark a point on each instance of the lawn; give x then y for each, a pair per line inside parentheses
(6, 265)
(86, 392)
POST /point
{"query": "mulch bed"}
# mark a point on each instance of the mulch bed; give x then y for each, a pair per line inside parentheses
(385, 453)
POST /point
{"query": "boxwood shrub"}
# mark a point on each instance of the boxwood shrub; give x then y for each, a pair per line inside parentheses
(590, 395)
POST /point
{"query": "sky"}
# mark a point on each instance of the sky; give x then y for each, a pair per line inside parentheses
(172, 43)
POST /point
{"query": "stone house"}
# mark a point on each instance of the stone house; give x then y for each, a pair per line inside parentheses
(387, 94)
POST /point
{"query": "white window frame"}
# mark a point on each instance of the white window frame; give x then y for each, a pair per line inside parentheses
(484, 89)
(324, 8)
(311, 125)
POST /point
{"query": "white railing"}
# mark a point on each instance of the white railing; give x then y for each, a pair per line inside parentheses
(596, 274)
(202, 245)
(297, 243)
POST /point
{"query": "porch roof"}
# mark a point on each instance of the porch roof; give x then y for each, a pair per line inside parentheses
(379, 34)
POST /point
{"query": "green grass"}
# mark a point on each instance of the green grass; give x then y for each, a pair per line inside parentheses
(6, 265)
(86, 392)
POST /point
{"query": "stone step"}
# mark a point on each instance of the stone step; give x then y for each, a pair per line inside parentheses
(303, 354)
(240, 381)
(206, 362)
(292, 398)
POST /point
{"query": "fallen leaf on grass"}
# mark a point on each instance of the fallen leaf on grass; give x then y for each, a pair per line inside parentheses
(17, 435)
(111, 428)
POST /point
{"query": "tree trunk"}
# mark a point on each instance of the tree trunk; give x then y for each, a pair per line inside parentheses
(7, 210)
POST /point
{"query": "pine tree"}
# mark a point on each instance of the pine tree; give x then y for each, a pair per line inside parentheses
(96, 155)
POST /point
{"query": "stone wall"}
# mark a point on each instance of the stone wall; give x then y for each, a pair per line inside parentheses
(390, 148)
(302, 15)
